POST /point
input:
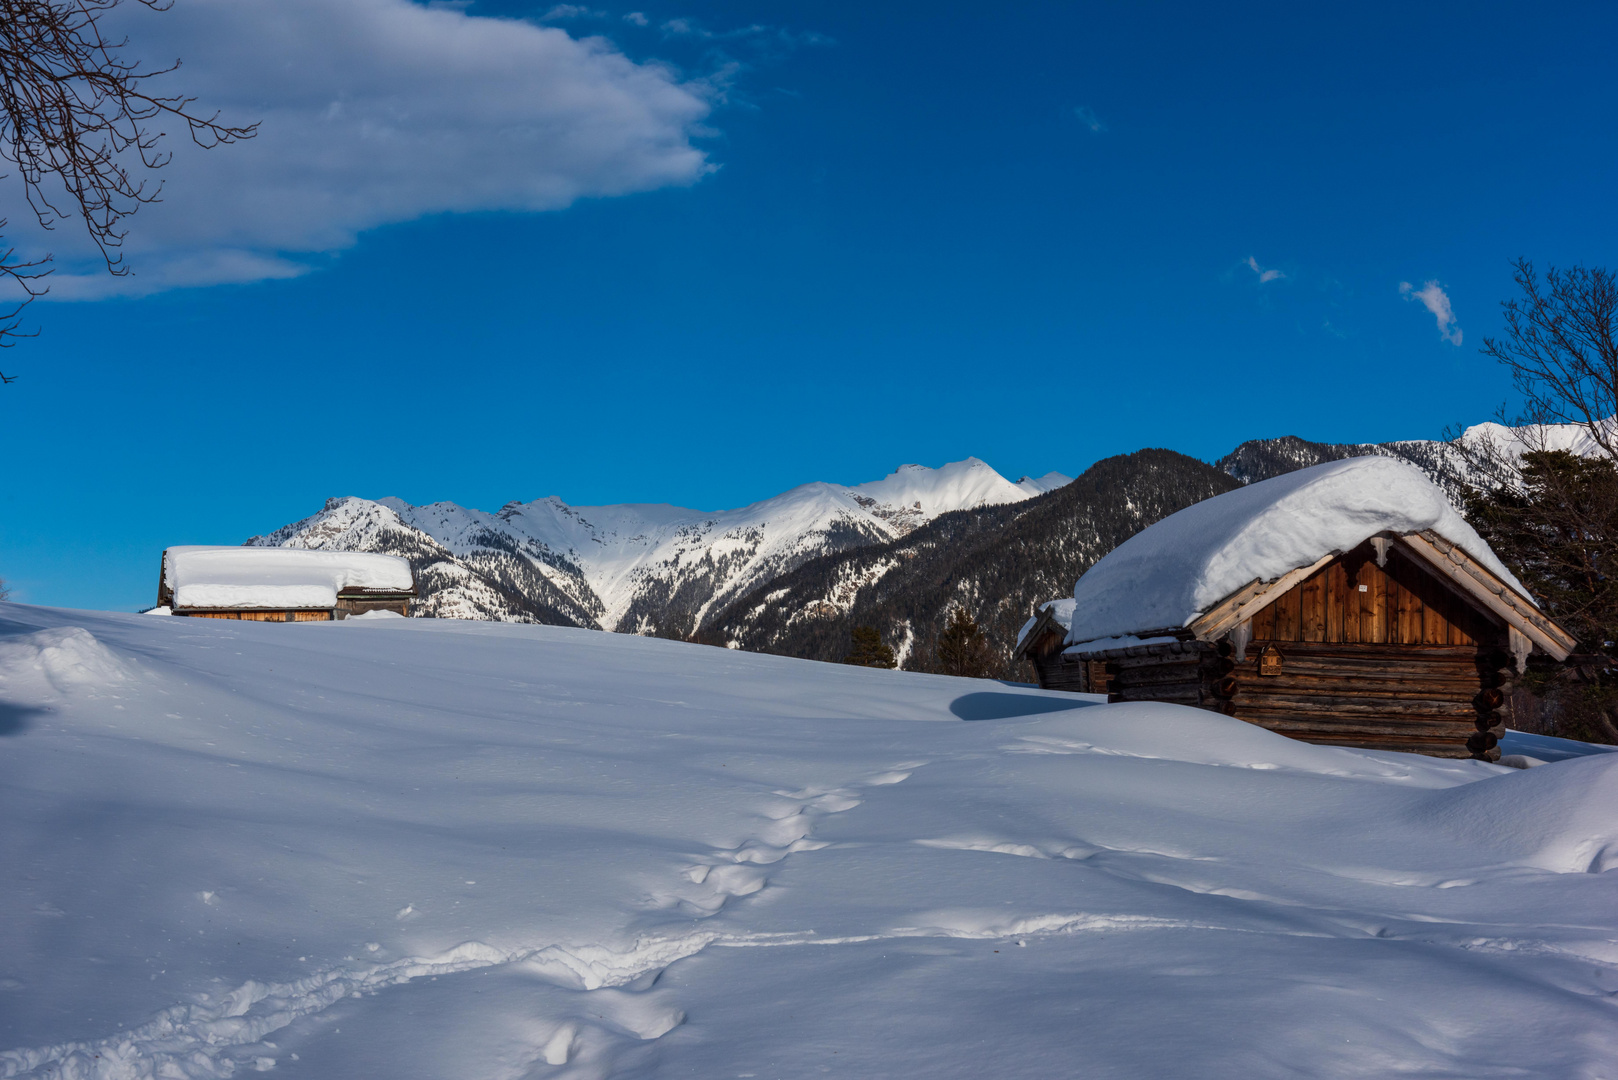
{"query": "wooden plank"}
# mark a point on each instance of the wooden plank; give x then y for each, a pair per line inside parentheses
(1162, 655)
(1398, 613)
(1219, 619)
(1372, 671)
(1457, 636)
(1336, 600)
(1386, 707)
(1434, 730)
(1312, 608)
(1263, 625)
(1286, 616)
(1460, 569)
(1461, 693)
(1189, 694)
(1389, 651)
(1370, 578)
(1434, 626)
(1145, 680)
(1351, 607)
(1379, 605)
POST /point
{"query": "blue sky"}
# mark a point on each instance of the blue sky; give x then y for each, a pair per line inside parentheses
(784, 242)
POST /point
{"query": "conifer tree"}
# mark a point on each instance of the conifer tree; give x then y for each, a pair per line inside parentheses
(1557, 529)
(964, 650)
(869, 651)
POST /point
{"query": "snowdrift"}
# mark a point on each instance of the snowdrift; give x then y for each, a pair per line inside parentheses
(413, 848)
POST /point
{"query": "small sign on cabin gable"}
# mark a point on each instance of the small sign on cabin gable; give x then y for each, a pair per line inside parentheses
(1269, 661)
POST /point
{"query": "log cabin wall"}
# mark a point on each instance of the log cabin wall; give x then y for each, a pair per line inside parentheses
(260, 616)
(1053, 673)
(1379, 657)
(358, 605)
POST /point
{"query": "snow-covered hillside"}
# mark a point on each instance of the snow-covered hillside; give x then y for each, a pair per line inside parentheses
(641, 568)
(425, 849)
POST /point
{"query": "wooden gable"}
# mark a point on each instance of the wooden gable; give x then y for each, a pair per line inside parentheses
(1353, 600)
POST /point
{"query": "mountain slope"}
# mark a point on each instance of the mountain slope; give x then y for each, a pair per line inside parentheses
(645, 569)
(489, 584)
(997, 561)
(1482, 456)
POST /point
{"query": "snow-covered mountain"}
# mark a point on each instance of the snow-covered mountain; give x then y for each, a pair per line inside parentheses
(1449, 465)
(641, 568)
(1481, 457)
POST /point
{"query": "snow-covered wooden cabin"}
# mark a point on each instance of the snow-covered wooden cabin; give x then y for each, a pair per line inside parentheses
(1346, 604)
(282, 584)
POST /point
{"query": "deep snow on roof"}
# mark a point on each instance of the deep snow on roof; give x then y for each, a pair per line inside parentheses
(243, 577)
(1168, 574)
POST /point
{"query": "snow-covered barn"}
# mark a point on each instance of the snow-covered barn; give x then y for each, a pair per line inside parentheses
(282, 584)
(1345, 604)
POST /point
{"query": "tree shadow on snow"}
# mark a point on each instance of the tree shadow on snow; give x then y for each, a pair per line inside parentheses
(987, 705)
(14, 718)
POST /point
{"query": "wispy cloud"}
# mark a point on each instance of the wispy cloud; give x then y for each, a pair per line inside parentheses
(389, 111)
(1436, 300)
(1264, 276)
(1087, 116)
(562, 12)
(756, 32)
(637, 18)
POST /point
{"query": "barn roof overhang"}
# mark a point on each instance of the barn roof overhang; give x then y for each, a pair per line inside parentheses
(1448, 562)
(1044, 623)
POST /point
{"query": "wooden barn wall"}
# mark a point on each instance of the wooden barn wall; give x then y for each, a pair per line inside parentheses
(1402, 605)
(1388, 697)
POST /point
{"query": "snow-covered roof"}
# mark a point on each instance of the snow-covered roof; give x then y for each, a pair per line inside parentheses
(1061, 612)
(252, 577)
(1165, 576)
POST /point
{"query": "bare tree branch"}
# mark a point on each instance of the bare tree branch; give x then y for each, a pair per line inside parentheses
(74, 111)
(1561, 349)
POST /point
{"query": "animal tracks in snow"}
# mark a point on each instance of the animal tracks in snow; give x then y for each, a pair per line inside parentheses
(784, 828)
(221, 1035)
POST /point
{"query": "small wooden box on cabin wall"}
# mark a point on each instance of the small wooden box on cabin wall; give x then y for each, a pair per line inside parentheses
(1405, 642)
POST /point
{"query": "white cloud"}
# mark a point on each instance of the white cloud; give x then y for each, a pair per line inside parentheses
(1434, 299)
(375, 112)
(1264, 275)
(1087, 116)
(637, 18)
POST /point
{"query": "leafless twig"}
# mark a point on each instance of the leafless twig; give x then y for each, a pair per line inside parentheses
(75, 111)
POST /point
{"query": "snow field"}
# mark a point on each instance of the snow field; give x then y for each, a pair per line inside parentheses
(412, 848)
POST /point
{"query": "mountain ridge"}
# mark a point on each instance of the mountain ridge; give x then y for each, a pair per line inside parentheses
(645, 568)
(795, 572)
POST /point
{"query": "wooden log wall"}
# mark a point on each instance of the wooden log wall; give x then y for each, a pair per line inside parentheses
(1057, 674)
(261, 616)
(1425, 699)
(358, 605)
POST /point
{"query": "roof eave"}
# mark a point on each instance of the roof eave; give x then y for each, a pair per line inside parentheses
(1448, 560)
